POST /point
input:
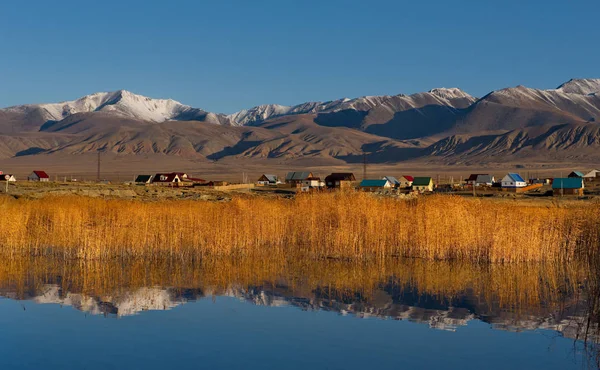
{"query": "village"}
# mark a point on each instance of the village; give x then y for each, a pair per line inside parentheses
(575, 184)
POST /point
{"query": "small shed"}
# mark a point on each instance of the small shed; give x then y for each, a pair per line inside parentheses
(406, 181)
(8, 177)
(513, 180)
(266, 179)
(568, 186)
(339, 180)
(143, 179)
(422, 184)
(38, 176)
(375, 184)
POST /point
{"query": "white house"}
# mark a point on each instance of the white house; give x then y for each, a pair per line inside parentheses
(312, 183)
(513, 180)
(8, 177)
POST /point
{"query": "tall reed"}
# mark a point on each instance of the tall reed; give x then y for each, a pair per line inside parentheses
(343, 225)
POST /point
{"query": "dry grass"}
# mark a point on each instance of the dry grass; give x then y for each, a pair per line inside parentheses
(343, 225)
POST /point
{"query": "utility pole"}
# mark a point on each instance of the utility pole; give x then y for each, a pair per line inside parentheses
(364, 165)
(98, 169)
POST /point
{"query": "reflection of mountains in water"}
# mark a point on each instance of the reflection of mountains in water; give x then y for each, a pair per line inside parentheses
(387, 302)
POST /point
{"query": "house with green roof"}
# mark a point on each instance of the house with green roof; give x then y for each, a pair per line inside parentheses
(422, 184)
(576, 174)
(143, 179)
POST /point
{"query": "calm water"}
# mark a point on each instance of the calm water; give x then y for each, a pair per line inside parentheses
(414, 315)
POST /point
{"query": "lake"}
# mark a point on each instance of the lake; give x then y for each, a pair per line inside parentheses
(294, 315)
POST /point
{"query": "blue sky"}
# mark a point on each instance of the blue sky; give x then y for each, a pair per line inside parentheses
(224, 56)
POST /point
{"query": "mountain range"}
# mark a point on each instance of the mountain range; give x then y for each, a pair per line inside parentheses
(443, 125)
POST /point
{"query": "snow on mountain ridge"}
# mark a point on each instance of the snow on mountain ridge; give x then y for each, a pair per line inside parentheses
(121, 102)
(585, 86)
(449, 93)
(263, 112)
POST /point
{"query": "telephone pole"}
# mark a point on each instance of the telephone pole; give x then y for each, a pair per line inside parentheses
(364, 165)
(98, 169)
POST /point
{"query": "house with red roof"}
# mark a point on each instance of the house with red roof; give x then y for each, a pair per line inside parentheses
(166, 178)
(406, 181)
(39, 176)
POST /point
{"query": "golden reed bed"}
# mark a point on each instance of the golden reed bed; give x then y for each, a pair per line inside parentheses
(343, 225)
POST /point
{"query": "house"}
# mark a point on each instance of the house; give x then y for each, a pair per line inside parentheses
(143, 179)
(8, 177)
(513, 180)
(268, 180)
(38, 176)
(181, 175)
(576, 174)
(166, 178)
(374, 185)
(312, 183)
(481, 180)
(422, 184)
(472, 178)
(406, 181)
(393, 181)
(296, 178)
(339, 180)
(592, 175)
(568, 186)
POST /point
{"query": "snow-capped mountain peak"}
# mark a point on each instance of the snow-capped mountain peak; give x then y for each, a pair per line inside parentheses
(122, 102)
(450, 93)
(584, 86)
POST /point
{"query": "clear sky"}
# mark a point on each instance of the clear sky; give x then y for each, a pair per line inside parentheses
(224, 56)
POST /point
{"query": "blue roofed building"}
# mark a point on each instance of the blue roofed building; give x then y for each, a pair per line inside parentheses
(394, 181)
(375, 184)
(568, 186)
(513, 180)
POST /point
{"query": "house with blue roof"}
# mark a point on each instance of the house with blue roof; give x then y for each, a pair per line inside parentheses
(394, 181)
(375, 184)
(513, 180)
(568, 186)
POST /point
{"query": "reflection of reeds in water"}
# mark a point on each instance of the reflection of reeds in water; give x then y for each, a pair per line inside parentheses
(511, 286)
(509, 295)
(345, 225)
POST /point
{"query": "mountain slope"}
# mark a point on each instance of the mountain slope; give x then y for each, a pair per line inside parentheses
(120, 103)
(443, 125)
(581, 86)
